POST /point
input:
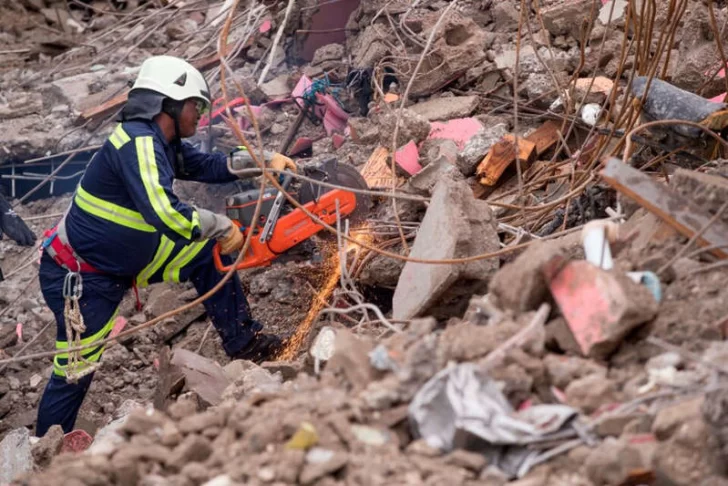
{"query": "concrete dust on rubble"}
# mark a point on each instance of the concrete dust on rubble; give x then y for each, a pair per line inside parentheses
(574, 355)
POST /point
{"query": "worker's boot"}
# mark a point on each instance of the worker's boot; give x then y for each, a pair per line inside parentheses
(263, 347)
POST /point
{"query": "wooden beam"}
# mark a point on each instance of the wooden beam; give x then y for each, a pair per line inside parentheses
(677, 211)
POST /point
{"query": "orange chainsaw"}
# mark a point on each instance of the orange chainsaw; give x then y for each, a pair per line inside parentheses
(281, 226)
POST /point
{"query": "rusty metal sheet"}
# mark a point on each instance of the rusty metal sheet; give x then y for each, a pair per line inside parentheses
(676, 210)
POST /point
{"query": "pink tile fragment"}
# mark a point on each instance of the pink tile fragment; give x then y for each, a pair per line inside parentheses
(408, 158)
(265, 26)
(338, 140)
(119, 325)
(719, 98)
(459, 130)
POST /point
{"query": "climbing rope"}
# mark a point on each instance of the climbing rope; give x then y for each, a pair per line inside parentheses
(77, 366)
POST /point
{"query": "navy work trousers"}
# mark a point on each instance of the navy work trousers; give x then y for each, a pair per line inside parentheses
(228, 309)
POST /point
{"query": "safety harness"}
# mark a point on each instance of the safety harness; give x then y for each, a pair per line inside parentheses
(59, 249)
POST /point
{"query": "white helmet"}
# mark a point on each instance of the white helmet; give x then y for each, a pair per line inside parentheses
(172, 77)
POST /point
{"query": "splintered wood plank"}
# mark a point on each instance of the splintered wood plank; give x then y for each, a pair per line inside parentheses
(377, 171)
(502, 155)
(679, 212)
(545, 136)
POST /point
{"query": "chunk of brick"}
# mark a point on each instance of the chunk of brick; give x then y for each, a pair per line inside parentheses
(600, 307)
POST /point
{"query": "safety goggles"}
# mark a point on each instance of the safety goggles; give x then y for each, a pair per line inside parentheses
(202, 107)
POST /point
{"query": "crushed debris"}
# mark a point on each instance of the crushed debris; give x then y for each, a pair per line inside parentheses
(575, 333)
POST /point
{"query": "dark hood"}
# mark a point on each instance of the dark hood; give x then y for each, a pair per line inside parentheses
(142, 104)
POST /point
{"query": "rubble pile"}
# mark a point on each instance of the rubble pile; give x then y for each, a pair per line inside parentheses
(575, 333)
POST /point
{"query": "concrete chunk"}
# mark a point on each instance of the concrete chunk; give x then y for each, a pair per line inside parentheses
(15, 455)
(568, 17)
(455, 225)
(443, 109)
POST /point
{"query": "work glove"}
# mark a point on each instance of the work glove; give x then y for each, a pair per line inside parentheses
(232, 241)
(14, 227)
(222, 229)
(241, 159)
(281, 162)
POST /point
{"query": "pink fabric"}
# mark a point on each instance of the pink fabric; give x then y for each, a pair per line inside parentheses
(303, 84)
(335, 117)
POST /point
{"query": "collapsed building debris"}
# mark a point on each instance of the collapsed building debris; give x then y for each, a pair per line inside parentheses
(518, 306)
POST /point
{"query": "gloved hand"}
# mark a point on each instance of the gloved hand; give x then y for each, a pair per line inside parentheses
(13, 226)
(232, 241)
(281, 162)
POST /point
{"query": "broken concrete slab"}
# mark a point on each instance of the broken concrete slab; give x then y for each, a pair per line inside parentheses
(351, 359)
(562, 370)
(205, 376)
(277, 88)
(616, 461)
(15, 455)
(48, 446)
(462, 226)
(590, 392)
(458, 45)
(600, 307)
(679, 212)
(708, 191)
(571, 17)
(412, 127)
(442, 164)
(520, 285)
(507, 58)
(477, 147)
(446, 108)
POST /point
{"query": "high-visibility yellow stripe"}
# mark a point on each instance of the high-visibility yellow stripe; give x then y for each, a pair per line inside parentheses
(119, 137)
(101, 334)
(185, 256)
(155, 192)
(111, 212)
(163, 251)
(60, 369)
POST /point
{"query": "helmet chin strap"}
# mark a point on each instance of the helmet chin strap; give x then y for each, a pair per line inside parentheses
(174, 110)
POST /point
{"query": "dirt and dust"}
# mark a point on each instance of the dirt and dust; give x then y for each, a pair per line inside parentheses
(530, 367)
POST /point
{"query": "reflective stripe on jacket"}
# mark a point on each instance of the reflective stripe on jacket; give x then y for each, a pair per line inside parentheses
(125, 215)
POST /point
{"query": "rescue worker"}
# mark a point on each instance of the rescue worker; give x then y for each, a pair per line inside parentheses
(125, 227)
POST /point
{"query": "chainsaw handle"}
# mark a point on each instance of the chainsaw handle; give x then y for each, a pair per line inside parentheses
(218, 260)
